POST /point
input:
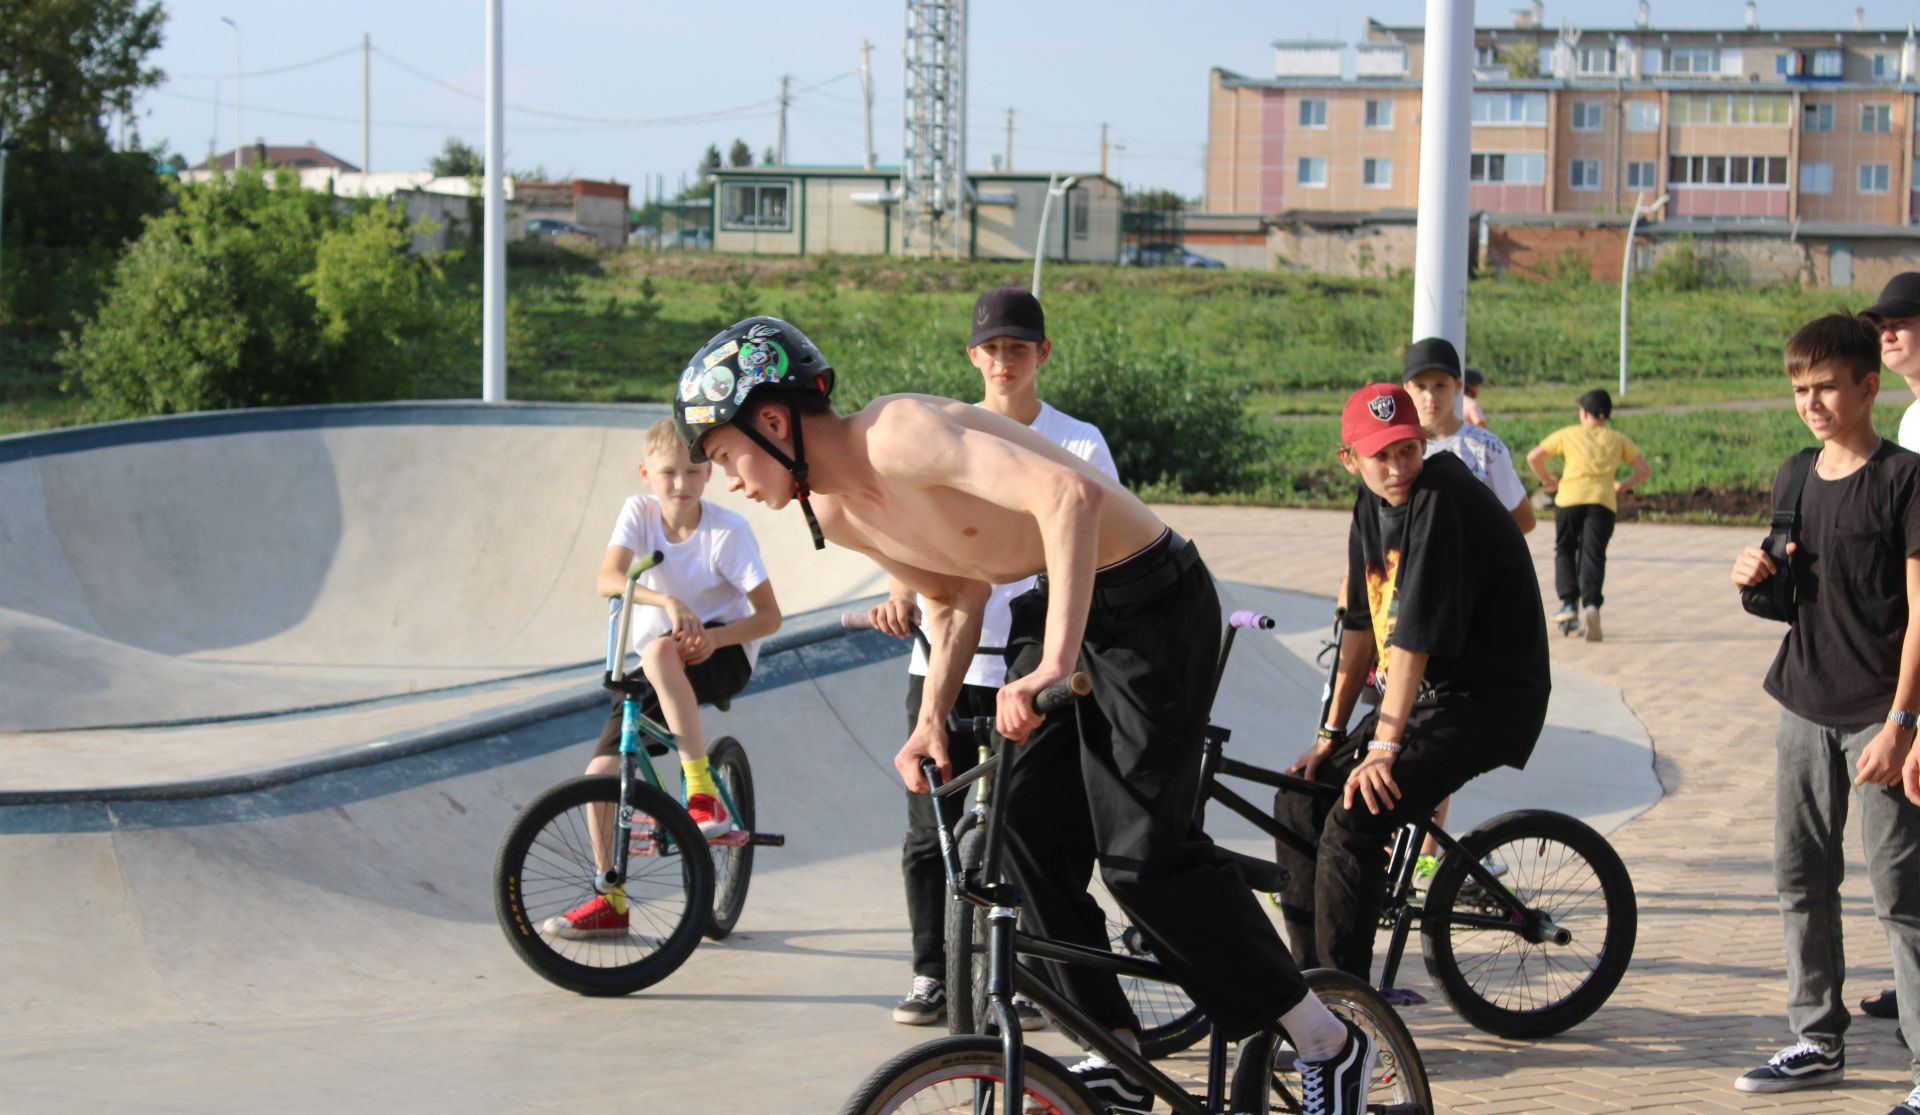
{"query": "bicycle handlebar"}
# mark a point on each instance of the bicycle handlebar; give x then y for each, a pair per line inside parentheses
(620, 612)
(1255, 620)
(1051, 699)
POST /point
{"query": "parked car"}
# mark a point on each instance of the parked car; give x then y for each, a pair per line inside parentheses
(549, 226)
(1165, 255)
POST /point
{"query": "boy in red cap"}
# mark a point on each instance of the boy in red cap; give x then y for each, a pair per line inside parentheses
(1441, 591)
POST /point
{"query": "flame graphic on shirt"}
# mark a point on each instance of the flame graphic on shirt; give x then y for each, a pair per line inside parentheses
(1383, 605)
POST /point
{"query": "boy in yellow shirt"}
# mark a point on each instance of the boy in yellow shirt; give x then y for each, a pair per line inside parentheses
(1587, 495)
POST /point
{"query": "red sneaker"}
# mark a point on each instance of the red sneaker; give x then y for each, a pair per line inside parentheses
(709, 814)
(593, 919)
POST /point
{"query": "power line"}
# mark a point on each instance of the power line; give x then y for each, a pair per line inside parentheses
(289, 68)
(468, 127)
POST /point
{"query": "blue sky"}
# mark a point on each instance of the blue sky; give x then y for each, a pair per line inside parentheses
(617, 79)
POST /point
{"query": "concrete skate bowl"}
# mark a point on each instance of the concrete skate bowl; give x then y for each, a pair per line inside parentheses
(221, 566)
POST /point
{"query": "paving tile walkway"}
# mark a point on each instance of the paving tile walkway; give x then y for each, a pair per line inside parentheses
(1705, 997)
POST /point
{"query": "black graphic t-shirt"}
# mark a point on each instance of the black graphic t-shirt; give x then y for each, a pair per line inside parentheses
(1448, 574)
(1840, 660)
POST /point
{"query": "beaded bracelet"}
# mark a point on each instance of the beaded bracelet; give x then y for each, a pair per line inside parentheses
(1384, 745)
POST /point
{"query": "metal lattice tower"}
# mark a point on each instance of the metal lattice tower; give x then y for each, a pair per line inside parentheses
(933, 182)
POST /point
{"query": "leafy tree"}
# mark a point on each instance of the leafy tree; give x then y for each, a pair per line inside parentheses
(1522, 60)
(248, 293)
(1157, 201)
(457, 160)
(740, 154)
(766, 157)
(710, 161)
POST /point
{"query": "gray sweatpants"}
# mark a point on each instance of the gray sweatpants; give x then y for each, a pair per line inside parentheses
(1816, 773)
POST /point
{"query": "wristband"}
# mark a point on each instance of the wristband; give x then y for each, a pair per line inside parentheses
(1334, 736)
(1901, 718)
(1383, 745)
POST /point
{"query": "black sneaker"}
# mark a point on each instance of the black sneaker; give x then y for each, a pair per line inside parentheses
(1883, 1005)
(1908, 1106)
(1338, 1085)
(1028, 1013)
(1108, 1085)
(924, 1005)
(1805, 1065)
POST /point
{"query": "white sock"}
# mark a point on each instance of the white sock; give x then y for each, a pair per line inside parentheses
(1317, 1034)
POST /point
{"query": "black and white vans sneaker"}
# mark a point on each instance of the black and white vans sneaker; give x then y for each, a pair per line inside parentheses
(1908, 1106)
(924, 1005)
(1108, 1085)
(1338, 1085)
(1805, 1065)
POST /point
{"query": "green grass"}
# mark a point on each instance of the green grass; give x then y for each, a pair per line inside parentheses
(618, 328)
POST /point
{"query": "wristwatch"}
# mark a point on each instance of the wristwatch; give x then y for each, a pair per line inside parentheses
(1901, 718)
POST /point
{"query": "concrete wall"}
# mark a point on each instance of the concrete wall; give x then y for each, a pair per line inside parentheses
(1352, 251)
(837, 223)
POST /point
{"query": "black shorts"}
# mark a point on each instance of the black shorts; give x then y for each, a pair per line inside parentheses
(723, 674)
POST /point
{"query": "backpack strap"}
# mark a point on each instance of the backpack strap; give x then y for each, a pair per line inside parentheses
(1787, 513)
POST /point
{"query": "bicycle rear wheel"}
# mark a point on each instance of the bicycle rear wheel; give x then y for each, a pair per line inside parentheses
(957, 1073)
(1266, 1077)
(546, 867)
(967, 1011)
(1546, 966)
(1169, 1022)
(732, 863)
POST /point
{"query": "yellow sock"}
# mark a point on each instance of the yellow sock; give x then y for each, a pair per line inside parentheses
(617, 898)
(698, 778)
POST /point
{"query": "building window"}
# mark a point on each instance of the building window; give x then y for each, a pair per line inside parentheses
(1827, 63)
(1876, 118)
(1886, 66)
(1752, 109)
(1816, 118)
(1522, 168)
(756, 206)
(1313, 113)
(1313, 172)
(1082, 225)
(1643, 116)
(1726, 170)
(1816, 178)
(1874, 178)
(1641, 176)
(1588, 116)
(1510, 108)
(1595, 60)
(1693, 60)
(1379, 114)
(1583, 174)
(1377, 173)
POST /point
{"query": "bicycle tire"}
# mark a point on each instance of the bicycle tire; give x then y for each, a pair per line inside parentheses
(1561, 868)
(1169, 1022)
(732, 866)
(546, 866)
(1266, 1080)
(942, 1075)
(967, 1011)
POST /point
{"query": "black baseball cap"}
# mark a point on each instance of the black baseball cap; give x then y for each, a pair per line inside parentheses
(1474, 378)
(1899, 298)
(1430, 354)
(1007, 311)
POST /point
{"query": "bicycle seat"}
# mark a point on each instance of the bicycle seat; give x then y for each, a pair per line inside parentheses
(1259, 874)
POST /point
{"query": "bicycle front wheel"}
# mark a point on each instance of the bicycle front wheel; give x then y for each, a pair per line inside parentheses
(1545, 965)
(732, 863)
(1266, 1075)
(546, 868)
(967, 1010)
(966, 1074)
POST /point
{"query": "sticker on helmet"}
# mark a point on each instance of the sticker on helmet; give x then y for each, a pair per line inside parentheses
(697, 416)
(765, 360)
(721, 353)
(1381, 407)
(717, 384)
(746, 383)
(761, 332)
(689, 383)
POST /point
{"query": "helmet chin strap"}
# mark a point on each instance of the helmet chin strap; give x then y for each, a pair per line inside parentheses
(796, 464)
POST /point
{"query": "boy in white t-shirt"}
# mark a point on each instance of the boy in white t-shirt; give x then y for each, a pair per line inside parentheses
(697, 623)
(1008, 345)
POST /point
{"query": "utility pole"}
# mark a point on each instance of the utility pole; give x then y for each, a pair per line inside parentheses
(236, 92)
(866, 95)
(1440, 233)
(1103, 150)
(366, 108)
(1009, 139)
(781, 155)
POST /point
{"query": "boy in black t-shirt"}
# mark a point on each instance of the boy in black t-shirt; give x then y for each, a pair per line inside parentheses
(1847, 677)
(1441, 590)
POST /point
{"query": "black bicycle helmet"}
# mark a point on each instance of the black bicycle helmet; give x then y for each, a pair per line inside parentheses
(735, 365)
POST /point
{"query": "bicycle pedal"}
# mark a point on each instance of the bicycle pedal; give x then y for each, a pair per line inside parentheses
(736, 838)
(1403, 997)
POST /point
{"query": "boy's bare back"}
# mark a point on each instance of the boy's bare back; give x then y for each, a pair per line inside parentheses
(960, 491)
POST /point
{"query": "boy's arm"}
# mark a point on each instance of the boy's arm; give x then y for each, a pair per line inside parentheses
(955, 608)
(1880, 763)
(1356, 658)
(897, 613)
(612, 581)
(1641, 471)
(764, 620)
(1536, 460)
(1373, 780)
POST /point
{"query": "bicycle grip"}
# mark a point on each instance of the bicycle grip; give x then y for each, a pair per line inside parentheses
(1251, 619)
(856, 619)
(643, 563)
(1062, 693)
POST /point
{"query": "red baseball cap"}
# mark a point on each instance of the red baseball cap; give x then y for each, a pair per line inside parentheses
(1376, 416)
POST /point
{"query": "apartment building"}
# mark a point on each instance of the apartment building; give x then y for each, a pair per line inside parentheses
(1741, 123)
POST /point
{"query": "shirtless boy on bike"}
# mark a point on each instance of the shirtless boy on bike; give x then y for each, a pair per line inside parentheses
(950, 498)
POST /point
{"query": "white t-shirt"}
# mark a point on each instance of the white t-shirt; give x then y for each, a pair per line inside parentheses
(1910, 426)
(1083, 440)
(1486, 457)
(711, 572)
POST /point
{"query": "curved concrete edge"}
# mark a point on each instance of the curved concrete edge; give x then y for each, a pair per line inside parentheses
(808, 629)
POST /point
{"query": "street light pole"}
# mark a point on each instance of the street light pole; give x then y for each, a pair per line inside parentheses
(1055, 188)
(493, 355)
(236, 91)
(1626, 272)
